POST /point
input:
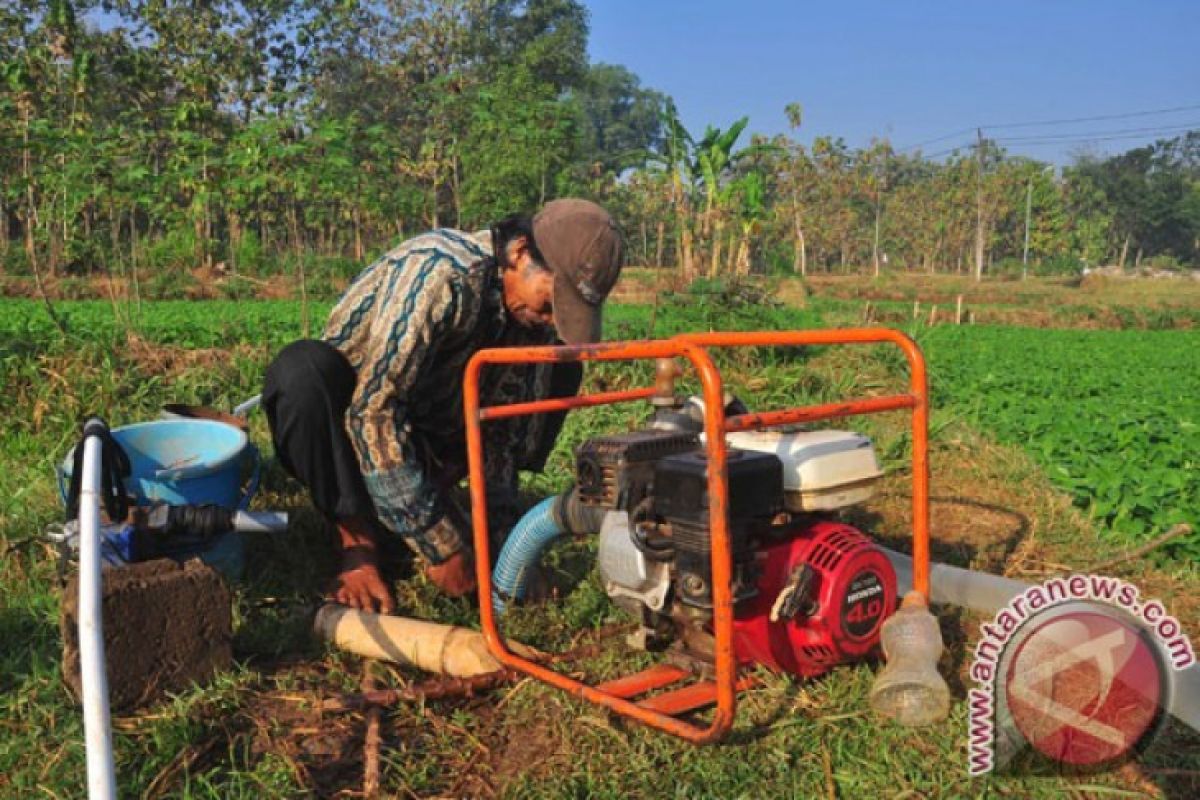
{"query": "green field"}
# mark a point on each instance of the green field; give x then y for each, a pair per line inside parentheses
(1108, 416)
(1113, 416)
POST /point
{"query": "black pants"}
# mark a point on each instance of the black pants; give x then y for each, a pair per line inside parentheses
(307, 390)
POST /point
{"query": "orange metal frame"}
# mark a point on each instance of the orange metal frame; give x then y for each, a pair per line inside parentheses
(659, 711)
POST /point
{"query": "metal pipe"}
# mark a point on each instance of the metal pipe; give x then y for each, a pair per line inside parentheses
(260, 521)
(847, 408)
(713, 392)
(96, 725)
(711, 382)
(564, 403)
(918, 389)
(692, 347)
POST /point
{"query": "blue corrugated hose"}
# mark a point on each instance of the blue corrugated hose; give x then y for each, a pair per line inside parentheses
(533, 534)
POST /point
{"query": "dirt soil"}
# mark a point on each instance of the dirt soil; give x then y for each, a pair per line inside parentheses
(166, 626)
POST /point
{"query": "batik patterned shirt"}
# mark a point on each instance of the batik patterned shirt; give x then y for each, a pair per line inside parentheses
(408, 324)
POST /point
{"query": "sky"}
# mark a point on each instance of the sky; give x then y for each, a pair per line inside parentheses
(914, 71)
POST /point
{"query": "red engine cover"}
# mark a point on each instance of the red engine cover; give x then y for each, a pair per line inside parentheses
(852, 591)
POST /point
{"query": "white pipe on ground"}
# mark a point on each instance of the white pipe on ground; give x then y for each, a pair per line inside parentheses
(987, 594)
(977, 591)
(260, 521)
(1185, 696)
(96, 725)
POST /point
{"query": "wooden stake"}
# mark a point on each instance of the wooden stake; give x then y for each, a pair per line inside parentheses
(916, 309)
(958, 312)
(372, 739)
(932, 314)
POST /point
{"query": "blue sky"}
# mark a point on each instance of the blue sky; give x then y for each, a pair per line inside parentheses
(913, 71)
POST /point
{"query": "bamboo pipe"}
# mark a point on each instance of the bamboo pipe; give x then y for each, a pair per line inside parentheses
(443, 649)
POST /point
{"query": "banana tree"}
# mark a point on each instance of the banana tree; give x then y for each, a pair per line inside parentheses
(715, 157)
(677, 161)
(750, 190)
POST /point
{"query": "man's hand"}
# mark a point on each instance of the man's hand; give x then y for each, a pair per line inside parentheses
(455, 576)
(359, 582)
(360, 585)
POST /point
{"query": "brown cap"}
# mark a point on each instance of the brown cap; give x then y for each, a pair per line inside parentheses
(583, 248)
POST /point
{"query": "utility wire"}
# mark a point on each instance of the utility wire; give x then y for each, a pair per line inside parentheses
(1070, 138)
(1126, 115)
(1041, 142)
(1068, 121)
(949, 150)
(1098, 134)
(935, 140)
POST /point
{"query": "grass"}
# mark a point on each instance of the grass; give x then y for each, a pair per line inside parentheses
(1061, 302)
(257, 731)
(1093, 290)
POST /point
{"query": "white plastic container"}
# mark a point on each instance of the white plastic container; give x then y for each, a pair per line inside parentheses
(822, 470)
(909, 689)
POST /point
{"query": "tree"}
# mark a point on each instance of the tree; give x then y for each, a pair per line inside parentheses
(521, 139)
(873, 172)
(620, 123)
(713, 156)
(676, 160)
(250, 132)
(798, 178)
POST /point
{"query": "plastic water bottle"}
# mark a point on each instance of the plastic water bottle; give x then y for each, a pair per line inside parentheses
(909, 689)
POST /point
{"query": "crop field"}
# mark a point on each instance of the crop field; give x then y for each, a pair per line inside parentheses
(1113, 416)
(1092, 302)
(1087, 438)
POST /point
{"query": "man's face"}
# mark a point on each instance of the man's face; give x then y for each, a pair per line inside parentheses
(529, 293)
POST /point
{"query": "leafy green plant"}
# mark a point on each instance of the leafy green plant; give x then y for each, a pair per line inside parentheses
(1113, 416)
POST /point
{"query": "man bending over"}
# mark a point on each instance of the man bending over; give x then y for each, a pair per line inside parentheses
(369, 417)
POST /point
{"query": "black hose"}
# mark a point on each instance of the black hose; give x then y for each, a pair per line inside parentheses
(114, 469)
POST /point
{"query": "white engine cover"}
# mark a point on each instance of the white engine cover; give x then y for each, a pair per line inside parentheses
(822, 470)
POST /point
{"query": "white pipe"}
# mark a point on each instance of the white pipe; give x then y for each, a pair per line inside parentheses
(97, 731)
(260, 521)
(987, 594)
(977, 591)
(1185, 696)
(242, 409)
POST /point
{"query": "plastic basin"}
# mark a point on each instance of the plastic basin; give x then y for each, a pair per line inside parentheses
(183, 462)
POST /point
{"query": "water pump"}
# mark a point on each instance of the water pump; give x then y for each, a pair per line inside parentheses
(718, 529)
(810, 591)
